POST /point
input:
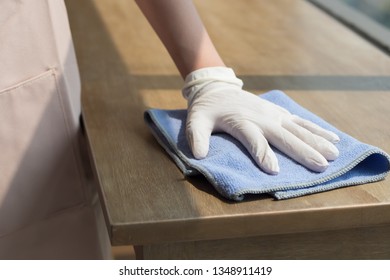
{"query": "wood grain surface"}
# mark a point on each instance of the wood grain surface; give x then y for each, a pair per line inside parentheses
(285, 44)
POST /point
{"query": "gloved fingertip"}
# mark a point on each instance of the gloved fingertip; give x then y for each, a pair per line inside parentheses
(269, 164)
(332, 153)
(199, 152)
(274, 171)
(319, 165)
(199, 146)
(335, 138)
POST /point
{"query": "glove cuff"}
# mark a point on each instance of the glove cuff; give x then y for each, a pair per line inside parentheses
(198, 79)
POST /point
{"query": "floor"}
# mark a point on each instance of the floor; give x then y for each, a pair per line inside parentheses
(123, 253)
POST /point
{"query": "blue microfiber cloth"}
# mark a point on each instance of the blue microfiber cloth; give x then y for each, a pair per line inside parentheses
(233, 172)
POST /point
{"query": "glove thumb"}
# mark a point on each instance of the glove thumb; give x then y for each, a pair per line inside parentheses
(198, 133)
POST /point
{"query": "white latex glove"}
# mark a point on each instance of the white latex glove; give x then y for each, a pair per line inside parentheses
(217, 103)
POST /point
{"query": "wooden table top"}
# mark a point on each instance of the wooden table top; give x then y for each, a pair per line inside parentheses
(288, 45)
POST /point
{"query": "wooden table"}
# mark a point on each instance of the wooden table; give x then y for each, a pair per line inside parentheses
(285, 44)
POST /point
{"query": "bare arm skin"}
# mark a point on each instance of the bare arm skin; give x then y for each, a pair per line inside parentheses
(216, 101)
(182, 32)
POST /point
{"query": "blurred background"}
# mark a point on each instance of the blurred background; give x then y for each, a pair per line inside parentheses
(378, 10)
(370, 18)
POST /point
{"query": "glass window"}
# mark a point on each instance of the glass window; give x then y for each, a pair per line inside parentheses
(378, 10)
(370, 18)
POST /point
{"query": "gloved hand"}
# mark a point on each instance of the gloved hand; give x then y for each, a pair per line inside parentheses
(217, 103)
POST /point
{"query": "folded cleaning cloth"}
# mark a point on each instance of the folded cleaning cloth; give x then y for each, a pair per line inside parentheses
(233, 172)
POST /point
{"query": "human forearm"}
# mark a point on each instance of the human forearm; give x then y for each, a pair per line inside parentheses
(217, 103)
(181, 30)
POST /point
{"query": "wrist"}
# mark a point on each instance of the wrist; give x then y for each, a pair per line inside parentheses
(198, 79)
